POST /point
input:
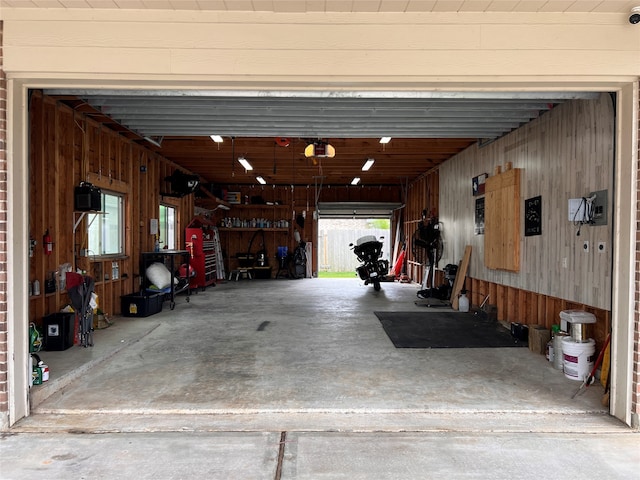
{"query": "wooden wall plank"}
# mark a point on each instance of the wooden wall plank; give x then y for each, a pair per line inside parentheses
(459, 282)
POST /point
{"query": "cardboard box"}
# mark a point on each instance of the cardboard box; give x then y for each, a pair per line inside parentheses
(233, 198)
(539, 336)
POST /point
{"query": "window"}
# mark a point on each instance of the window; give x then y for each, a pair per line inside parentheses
(168, 228)
(106, 229)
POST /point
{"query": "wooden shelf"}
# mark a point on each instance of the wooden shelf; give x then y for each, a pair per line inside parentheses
(251, 229)
(258, 205)
(111, 280)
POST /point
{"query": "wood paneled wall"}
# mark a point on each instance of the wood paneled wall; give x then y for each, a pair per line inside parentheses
(421, 195)
(66, 148)
(530, 308)
(566, 153)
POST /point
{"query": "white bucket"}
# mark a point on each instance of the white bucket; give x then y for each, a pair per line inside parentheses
(577, 358)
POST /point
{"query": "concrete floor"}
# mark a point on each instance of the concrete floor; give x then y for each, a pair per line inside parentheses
(297, 379)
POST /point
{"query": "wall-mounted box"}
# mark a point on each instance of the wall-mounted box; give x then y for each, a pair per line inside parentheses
(590, 210)
(599, 207)
(577, 209)
(87, 198)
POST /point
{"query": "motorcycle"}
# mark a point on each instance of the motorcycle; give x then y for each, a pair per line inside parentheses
(368, 249)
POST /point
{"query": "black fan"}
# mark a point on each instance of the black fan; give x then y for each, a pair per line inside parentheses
(427, 243)
(182, 184)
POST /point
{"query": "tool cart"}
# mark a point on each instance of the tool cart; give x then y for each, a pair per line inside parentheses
(203, 242)
(177, 262)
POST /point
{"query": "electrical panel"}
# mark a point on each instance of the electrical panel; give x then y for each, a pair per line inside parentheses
(590, 210)
(599, 207)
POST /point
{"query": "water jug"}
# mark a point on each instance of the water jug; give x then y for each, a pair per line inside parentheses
(463, 302)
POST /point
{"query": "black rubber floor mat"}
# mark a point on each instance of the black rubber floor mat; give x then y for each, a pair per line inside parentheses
(445, 330)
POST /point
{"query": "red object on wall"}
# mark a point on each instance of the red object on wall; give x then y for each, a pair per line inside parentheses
(47, 243)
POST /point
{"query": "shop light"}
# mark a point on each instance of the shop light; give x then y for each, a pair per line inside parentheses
(261, 180)
(319, 150)
(368, 164)
(355, 181)
(216, 138)
(245, 163)
(385, 139)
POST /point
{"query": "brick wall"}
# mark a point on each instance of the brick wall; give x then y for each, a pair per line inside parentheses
(4, 399)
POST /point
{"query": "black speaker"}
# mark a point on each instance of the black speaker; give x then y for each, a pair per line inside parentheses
(87, 197)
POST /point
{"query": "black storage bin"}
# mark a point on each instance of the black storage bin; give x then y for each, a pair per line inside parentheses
(261, 272)
(58, 330)
(136, 305)
(520, 331)
(87, 197)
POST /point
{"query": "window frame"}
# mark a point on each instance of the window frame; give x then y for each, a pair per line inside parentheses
(163, 224)
(104, 217)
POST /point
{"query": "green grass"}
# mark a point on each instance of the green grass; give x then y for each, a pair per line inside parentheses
(351, 274)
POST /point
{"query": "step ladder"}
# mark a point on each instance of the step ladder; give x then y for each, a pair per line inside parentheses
(220, 275)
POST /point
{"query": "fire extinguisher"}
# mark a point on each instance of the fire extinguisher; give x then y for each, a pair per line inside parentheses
(47, 243)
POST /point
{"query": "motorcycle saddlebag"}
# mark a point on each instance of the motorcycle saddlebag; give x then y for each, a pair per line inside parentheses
(363, 273)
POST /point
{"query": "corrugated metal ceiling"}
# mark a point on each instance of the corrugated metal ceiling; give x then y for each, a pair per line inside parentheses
(427, 128)
(321, 114)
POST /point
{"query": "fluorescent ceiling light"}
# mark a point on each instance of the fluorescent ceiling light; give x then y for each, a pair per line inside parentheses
(243, 161)
(368, 164)
(216, 138)
(261, 180)
(385, 139)
(355, 181)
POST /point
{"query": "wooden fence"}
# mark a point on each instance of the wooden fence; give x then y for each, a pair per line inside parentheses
(334, 253)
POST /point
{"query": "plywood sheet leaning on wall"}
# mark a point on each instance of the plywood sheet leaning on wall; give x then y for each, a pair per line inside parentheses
(502, 221)
(458, 283)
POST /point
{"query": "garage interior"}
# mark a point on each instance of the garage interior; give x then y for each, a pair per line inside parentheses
(322, 355)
